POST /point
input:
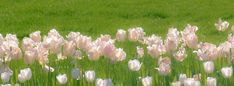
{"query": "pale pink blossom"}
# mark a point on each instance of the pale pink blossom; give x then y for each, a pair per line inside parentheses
(134, 65)
(147, 81)
(156, 50)
(69, 48)
(153, 39)
(180, 55)
(208, 66)
(90, 76)
(35, 36)
(221, 25)
(94, 53)
(62, 78)
(120, 55)
(120, 35)
(140, 51)
(189, 36)
(30, 56)
(172, 41)
(136, 34)
(227, 72)
(210, 81)
(191, 82)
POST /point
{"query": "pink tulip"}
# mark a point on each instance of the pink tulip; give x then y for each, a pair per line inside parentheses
(35, 36)
(29, 57)
(181, 54)
(136, 34)
(120, 35)
(94, 53)
(109, 50)
(189, 37)
(72, 36)
(120, 55)
(208, 66)
(140, 51)
(172, 40)
(221, 25)
(69, 48)
(151, 40)
(156, 50)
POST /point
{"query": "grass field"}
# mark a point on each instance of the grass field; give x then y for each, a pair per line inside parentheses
(95, 17)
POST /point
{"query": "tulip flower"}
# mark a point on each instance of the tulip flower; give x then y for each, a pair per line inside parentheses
(180, 55)
(120, 35)
(5, 76)
(191, 82)
(189, 37)
(182, 77)
(90, 76)
(227, 72)
(35, 36)
(208, 66)
(30, 56)
(177, 83)
(62, 79)
(120, 55)
(140, 51)
(25, 74)
(221, 25)
(103, 82)
(94, 53)
(134, 65)
(172, 41)
(147, 81)
(210, 81)
(136, 34)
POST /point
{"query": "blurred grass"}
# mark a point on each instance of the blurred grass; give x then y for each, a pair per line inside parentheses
(95, 17)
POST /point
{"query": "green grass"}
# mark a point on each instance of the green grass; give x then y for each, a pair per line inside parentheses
(95, 17)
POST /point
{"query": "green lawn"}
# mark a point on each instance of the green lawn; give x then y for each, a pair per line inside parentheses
(95, 17)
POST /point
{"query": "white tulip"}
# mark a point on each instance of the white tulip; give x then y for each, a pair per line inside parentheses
(227, 72)
(177, 83)
(211, 81)
(191, 82)
(103, 82)
(182, 77)
(147, 81)
(90, 75)
(75, 73)
(208, 66)
(5, 84)
(62, 78)
(25, 74)
(5, 76)
(134, 65)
